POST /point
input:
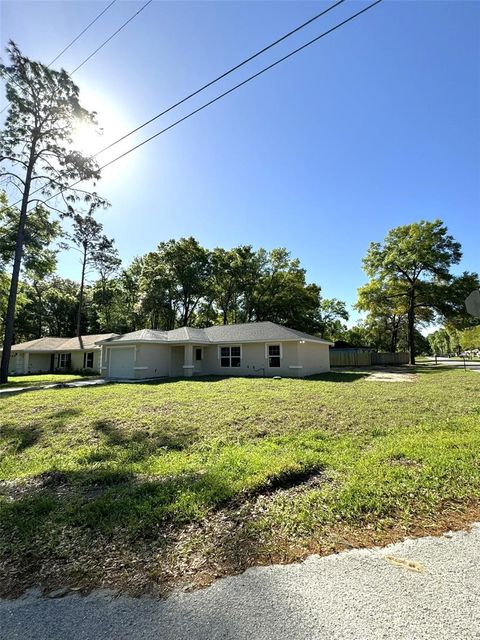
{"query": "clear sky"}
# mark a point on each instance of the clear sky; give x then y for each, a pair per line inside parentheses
(374, 126)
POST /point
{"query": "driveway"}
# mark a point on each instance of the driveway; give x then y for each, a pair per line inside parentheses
(427, 588)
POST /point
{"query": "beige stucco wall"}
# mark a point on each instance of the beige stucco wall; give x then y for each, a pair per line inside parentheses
(38, 363)
(298, 360)
(314, 357)
(254, 362)
(176, 361)
(154, 360)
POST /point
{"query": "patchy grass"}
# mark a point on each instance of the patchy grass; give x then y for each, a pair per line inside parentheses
(149, 486)
(39, 379)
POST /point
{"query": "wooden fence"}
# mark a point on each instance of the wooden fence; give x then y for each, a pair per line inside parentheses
(347, 358)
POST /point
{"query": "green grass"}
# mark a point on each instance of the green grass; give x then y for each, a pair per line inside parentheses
(40, 379)
(153, 476)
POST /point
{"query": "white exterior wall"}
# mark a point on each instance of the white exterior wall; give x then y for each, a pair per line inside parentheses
(314, 357)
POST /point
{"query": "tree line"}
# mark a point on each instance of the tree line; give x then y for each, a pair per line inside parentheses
(181, 283)
(411, 279)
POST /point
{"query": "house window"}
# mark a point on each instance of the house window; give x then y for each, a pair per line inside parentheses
(88, 360)
(274, 355)
(198, 353)
(230, 357)
(64, 360)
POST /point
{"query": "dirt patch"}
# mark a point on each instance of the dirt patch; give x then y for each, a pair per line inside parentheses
(390, 374)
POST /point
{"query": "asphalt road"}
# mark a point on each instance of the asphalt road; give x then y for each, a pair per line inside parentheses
(418, 589)
(474, 365)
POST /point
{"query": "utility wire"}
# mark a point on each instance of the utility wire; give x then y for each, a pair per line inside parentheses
(241, 84)
(82, 32)
(217, 79)
(234, 88)
(112, 36)
(220, 77)
(103, 43)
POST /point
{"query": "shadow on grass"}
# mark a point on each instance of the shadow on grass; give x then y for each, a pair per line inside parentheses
(338, 376)
(91, 509)
(142, 443)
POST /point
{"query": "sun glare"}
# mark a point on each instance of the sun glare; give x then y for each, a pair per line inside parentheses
(89, 139)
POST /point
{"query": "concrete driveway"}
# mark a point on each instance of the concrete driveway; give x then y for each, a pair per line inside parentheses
(418, 589)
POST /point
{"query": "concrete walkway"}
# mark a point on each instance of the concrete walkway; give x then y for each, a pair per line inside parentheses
(55, 385)
(418, 589)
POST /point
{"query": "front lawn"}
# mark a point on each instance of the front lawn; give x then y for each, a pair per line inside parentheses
(40, 379)
(154, 485)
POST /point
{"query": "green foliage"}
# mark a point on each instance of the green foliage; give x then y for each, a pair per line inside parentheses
(470, 338)
(410, 278)
(39, 260)
(38, 160)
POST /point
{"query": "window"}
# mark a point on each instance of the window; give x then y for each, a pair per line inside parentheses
(230, 356)
(64, 360)
(274, 355)
(198, 353)
(88, 360)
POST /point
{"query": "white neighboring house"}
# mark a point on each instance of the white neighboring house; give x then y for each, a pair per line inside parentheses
(50, 354)
(252, 349)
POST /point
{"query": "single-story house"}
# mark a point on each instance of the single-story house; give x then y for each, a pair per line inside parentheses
(49, 354)
(252, 349)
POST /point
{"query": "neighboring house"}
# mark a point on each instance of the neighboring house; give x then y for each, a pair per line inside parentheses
(57, 354)
(252, 349)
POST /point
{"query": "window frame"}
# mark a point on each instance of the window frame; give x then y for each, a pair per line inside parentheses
(197, 350)
(86, 356)
(230, 357)
(68, 360)
(268, 356)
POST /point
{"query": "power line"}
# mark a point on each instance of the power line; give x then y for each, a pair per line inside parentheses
(112, 36)
(241, 84)
(103, 43)
(82, 32)
(234, 88)
(71, 42)
(217, 79)
(220, 77)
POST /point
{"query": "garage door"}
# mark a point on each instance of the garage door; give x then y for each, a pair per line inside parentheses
(121, 363)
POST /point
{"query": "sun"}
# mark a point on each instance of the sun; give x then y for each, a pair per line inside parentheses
(90, 138)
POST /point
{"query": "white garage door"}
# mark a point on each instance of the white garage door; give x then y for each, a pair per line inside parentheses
(121, 363)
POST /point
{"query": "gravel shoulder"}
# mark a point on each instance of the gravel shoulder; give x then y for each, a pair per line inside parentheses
(426, 588)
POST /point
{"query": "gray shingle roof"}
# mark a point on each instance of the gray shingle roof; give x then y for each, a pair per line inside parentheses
(142, 335)
(257, 331)
(248, 332)
(51, 343)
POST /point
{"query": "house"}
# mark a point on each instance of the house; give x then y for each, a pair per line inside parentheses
(57, 354)
(252, 349)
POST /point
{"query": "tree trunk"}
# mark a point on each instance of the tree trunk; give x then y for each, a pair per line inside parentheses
(80, 295)
(411, 325)
(12, 296)
(39, 309)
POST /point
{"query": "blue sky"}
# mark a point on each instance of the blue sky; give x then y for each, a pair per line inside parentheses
(374, 126)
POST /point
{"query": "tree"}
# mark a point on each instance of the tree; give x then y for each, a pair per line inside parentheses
(39, 260)
(413, 265)
(36, 152)
(96, 250)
